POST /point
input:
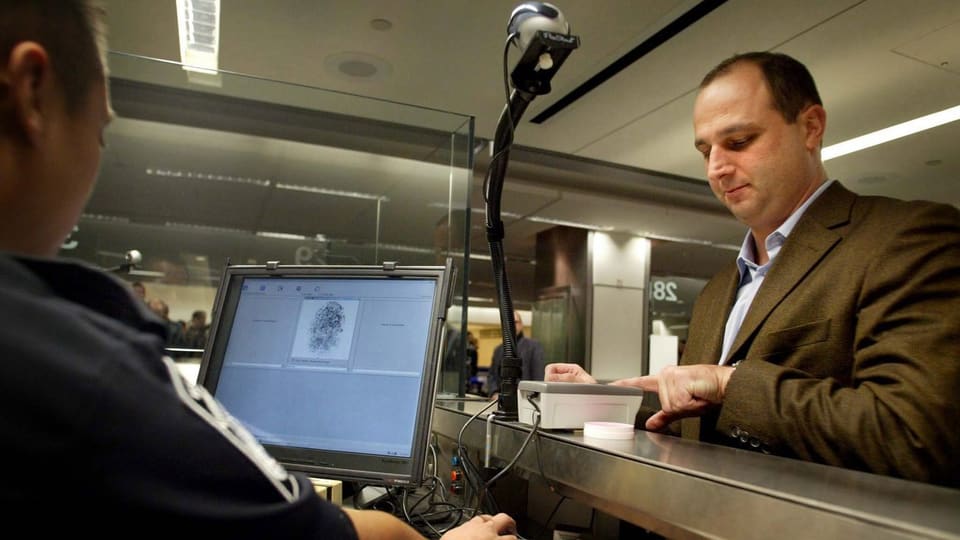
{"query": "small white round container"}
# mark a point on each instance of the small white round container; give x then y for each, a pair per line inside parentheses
(608, 430)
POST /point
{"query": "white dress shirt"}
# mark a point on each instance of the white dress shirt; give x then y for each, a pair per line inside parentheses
(753, 274)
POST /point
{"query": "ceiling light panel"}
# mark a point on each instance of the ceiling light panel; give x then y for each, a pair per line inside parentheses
(199, 29)
(891, 133)
(335, 192)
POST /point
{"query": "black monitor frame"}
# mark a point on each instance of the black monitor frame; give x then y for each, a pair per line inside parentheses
(370, 469)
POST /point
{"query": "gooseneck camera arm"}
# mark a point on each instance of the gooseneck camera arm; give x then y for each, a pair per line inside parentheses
(542, 57)
(511, 364)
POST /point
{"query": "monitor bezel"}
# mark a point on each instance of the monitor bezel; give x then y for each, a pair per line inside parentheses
(366, 468)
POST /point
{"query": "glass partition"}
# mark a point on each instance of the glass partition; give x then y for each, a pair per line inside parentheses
(678, 272)
(201, 171)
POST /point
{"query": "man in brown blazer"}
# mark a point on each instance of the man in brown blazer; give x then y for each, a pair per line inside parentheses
(835, 336)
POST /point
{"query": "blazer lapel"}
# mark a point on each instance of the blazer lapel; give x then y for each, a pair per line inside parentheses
(713, 304)
(720, 306)
(812, 238)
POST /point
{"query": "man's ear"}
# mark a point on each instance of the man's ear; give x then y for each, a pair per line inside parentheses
(814, 120)
(28, 88)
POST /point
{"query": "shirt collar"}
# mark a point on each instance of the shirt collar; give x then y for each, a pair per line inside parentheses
(747, 257)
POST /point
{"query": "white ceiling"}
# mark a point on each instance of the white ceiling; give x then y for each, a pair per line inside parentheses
(877, 63)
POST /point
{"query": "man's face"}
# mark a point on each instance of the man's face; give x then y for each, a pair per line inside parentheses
(157, 307)
(517, 323)
(758, 165)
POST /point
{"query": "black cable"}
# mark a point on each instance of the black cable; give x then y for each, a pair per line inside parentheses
(472, 475)
(424, 520)
(512, 128)
(537, 443)
(431, 510)
(465, 458)
(432, 505)
(510, 465)
(542, 474)
(430, 517)
(423, 497)
(550, 517)
(421, 520)
(408, 519)
(506, 82)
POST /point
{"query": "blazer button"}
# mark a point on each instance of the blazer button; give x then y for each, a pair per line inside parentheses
(744, 437)
(754, 442)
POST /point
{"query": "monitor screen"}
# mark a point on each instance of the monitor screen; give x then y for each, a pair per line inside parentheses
(332, 368)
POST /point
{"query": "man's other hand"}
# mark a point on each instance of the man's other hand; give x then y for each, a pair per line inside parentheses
(567, 373)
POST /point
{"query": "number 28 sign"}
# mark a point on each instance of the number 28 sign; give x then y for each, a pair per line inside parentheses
(664, 290)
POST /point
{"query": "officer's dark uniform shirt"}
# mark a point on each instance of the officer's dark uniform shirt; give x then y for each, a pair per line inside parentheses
(101, 434)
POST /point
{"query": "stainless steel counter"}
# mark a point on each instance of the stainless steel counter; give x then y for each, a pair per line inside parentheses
(688, 489)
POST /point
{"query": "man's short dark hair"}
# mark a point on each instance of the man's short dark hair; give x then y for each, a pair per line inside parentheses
(789, 81)
(72, 32)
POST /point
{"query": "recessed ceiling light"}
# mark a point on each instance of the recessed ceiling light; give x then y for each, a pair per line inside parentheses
(357, 66)
(381, 25)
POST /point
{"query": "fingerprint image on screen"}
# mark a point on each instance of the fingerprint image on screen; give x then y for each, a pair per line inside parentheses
(324, 335)
(327, 327)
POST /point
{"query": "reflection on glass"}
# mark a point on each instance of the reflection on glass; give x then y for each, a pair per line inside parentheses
(198, 177)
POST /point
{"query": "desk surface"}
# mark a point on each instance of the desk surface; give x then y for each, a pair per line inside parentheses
(688, 489)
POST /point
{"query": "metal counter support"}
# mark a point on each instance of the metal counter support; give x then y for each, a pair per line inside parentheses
(686, 489)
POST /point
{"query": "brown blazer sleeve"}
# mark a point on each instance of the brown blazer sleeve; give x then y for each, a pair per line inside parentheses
(850, 353)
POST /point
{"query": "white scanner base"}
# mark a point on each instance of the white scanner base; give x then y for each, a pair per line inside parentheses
(569, 405)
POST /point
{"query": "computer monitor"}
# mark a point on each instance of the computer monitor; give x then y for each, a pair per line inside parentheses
(332, 368)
